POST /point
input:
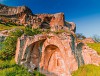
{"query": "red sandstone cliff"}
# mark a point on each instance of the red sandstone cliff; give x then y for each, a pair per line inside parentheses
(23, 15)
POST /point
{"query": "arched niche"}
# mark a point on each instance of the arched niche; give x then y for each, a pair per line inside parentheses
(35, 54)
(53, 60)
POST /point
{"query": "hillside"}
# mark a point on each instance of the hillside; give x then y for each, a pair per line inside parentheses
(95, 46)
(47, 43)
(89, 70)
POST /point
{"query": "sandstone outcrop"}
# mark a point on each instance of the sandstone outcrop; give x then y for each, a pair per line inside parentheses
(49, 53)
(11, 11)
(22, 15)
(88, 40)
(90, 56)
(52, 54)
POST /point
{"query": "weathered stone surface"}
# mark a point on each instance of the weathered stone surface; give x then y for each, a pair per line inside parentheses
(22, 15)
(52, 54)
(72, 26)
(57, 21)
(90, 56)
(47, 53)
(88, 40)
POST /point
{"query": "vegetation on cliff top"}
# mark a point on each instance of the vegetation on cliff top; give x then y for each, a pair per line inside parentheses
(9, 27)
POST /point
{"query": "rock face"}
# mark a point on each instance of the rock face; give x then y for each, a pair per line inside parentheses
(52, 54)
(22, 15)
(88, 40)
(47, 53)
(11, 11)
(90, 56)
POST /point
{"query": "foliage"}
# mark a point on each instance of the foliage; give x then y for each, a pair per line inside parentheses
(7, 64)
(31, 32)
(87, 70)
(9, 68)
(0, 45)
(36, 73)
(96, 38)
(8, 49)
(80, 36)
(4, 27)
(16, 33)
(9, 45)
(95, 46)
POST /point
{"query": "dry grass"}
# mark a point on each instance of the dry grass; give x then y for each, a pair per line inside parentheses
(95, 46)
(87, 70)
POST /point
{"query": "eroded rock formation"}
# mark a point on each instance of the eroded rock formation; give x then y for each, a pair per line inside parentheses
(88, 40)
(52, 54)
(49, 53)
(22, 15)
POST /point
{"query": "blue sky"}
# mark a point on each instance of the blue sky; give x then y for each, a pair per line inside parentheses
(85, 13)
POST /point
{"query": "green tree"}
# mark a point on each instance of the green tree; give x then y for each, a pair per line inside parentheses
(80, 36)
(96, 38)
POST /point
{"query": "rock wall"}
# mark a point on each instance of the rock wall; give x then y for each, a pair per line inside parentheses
(10, 11)
(88, 40)
(22, 15)
(54, 55)
(90, 56)
(51, 54)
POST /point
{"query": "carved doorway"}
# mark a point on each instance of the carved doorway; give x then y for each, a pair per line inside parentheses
(53, 60)
(35, 55)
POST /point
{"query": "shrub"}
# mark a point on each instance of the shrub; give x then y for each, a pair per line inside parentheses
(80, 36)
(36, 73)
(16, 33)
(31, 32)
(9, 68)
(96, 38)
(9, 45)
(7, 64)
(8, 49)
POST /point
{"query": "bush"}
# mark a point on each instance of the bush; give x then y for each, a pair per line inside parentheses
(36, 73)
(16, 33)
(8, 49)
(15, 71)
(7, 64)
(80, 36)
(96, 38)
(9, 68)
(9, 45)
(31, 32)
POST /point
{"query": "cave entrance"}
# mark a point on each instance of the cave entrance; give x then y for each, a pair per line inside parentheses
(35, 55)
(53, 61)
